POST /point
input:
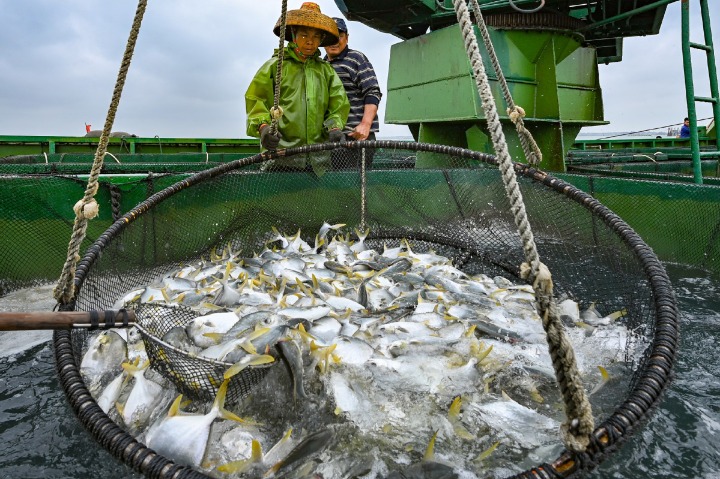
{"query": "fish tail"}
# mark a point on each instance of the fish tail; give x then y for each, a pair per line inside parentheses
(455, 407)
(484, 354)
(134, 368)
(175, 407)
(253, 360)
(256, 456)
(605, 377)
(237, 467)
(216, 337)
(486, 453)
(219, 404)
(430, 451)
(248, 347)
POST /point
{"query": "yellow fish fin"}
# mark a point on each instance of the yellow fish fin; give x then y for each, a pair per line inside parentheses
(486, 453)
(175, 407)
(430, 451)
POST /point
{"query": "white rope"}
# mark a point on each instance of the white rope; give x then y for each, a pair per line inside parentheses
(87, 207)
(577, 429)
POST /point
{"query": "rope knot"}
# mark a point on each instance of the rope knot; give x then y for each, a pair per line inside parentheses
(86, 211)
(276, 112)
(574, 439)
(541, 279)
(515, 113)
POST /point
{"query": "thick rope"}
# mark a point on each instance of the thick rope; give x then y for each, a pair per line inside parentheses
(115, 197)
(276, 111)
(577, 430)
(87, 208)
(515, 112)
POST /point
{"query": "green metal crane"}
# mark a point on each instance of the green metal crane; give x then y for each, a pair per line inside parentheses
(549, 58)
(714, 98)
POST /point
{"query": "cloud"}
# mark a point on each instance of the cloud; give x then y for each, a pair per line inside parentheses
(193, 61)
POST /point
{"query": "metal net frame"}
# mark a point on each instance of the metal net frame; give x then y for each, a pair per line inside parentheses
(452, 201)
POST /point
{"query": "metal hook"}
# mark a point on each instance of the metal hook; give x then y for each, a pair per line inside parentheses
(534, 10)
(441, 5)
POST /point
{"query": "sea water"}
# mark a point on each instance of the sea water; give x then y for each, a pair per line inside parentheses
(41, 438)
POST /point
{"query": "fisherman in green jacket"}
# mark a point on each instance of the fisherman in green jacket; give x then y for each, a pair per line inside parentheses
(313, 100)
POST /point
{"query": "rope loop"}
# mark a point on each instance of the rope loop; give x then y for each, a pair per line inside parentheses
(276, 112)
(540, 278)
(516, 113)
(86, 210)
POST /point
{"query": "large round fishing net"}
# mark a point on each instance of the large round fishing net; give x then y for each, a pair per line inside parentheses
(428, 199)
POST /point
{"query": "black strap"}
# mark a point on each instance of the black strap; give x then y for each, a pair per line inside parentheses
(94, 320)
(122, 313)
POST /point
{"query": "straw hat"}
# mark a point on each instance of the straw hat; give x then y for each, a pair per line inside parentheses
(309, 16)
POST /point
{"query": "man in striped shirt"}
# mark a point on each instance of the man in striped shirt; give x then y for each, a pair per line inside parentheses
(363, 91)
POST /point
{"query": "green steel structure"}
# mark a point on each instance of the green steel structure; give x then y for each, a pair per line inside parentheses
(49, 145)
(551, 75)
(548, 57)
(714, 99)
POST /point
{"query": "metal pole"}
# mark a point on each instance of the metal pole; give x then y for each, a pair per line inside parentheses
(363, 190)
(625, 15)
(707, 30)
(690, 91)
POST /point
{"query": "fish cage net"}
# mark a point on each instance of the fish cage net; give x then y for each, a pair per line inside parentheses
(653, 191)
(38, 192)
(452, 202)
(669, 164)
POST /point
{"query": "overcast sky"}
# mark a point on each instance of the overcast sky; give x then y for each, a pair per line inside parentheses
(194, 59)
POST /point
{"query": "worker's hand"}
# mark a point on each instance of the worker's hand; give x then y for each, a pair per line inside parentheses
(336, 136)
(268, 139)
(361, 132)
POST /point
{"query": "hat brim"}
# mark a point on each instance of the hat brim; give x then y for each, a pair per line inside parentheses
(309, 18)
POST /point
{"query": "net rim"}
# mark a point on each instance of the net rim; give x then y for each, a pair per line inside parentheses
(655, 376)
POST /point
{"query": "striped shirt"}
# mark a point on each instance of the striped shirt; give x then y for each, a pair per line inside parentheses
(361, 85)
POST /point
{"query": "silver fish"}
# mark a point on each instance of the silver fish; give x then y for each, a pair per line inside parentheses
(199, 327)
(308, 447)
(142, 400)
(310, 314)
(101, 362)
(292, 356)
(111, 393)
(184, 437)
(178, 338)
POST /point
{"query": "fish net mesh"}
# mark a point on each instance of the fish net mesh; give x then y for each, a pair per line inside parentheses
(196, 377)
(452, 202)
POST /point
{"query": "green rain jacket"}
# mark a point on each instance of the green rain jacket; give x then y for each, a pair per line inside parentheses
(312, 97)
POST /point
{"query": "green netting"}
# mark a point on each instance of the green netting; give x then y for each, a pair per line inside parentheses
(680, 220)
(37, 219)
(667, 164)
(38, 191)
(459, 211)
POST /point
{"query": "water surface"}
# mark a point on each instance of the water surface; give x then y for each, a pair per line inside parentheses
(42, 438)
